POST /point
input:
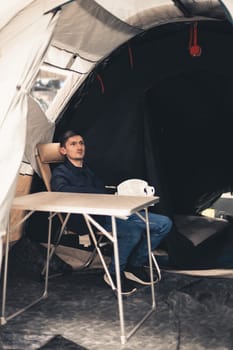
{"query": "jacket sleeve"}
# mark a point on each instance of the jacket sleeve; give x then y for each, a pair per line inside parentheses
(60, 183)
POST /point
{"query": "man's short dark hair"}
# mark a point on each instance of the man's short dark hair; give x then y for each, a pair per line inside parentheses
(64, 137)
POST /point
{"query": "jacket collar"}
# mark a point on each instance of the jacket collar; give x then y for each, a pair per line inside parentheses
(76, 169)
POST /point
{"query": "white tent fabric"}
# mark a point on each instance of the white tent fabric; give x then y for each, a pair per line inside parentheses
(142, 15)
(36, 120)
(228, 4)
(8, 12)
(17, 75)
(83, 33)
(107, 32)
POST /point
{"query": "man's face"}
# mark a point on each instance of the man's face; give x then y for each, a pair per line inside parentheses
(74, 148)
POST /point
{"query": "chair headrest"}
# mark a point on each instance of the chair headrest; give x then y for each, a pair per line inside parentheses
(50, 152)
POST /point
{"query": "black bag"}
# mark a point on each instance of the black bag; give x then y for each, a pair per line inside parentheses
(27, 257)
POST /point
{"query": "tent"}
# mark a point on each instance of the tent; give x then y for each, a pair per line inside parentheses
(149, 85)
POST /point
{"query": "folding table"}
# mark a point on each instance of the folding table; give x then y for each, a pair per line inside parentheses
(87, 205)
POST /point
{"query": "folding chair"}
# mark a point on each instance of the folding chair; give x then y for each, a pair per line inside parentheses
(47, 154)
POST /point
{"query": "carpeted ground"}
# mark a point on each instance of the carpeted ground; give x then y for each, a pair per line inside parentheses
(193, 313)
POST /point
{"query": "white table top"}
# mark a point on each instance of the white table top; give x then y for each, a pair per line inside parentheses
(83, 203)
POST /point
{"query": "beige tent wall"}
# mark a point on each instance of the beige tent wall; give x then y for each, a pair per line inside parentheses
(22, 188)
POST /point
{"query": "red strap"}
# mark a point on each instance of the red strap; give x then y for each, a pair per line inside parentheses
(101, 83)
(194, 48)
(191, 36)
(130, 52)
(195, 33)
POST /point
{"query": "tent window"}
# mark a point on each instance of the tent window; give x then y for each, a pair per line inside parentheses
(46, 86)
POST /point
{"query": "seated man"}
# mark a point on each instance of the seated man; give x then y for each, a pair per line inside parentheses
(74, 176)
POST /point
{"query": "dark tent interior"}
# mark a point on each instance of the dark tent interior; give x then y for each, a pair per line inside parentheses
(154, 111)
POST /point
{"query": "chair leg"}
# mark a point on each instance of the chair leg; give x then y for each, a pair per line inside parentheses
(52, 250)
(156, 266)
(86, 263)
(91, 257)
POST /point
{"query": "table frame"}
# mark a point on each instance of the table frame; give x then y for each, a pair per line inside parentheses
(90, 221)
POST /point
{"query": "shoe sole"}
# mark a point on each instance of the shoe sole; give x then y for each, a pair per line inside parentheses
(132, 277)
(123, 293)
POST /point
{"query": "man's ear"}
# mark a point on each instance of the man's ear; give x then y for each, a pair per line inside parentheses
(63, 151)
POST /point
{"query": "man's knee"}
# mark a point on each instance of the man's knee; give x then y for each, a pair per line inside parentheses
(167, 224)
(161, 224)
(129, 232)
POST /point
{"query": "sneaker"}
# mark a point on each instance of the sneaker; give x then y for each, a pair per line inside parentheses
(126, 286)
(138, 274)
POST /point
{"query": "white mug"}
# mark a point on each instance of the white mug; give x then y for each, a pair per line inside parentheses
(150, 190)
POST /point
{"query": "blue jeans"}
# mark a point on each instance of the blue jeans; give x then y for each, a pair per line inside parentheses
(132, 241)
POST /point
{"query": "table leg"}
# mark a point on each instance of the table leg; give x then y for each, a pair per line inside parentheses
(114, 240)
(118, 280)
(150, 259)
(150, 254)
(89, 220)
(50, 218)
(4, 319)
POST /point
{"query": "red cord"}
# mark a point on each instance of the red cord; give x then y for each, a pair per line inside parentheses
(195, 33)
(130, 52)
(101, 83)
(194, 48)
